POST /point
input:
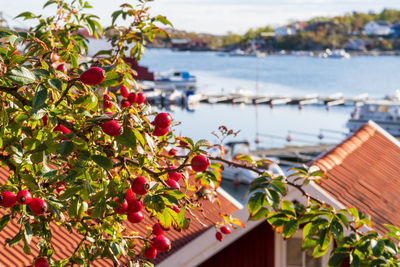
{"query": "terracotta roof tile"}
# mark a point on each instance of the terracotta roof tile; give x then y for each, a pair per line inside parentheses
(364, 171)
(64, 243)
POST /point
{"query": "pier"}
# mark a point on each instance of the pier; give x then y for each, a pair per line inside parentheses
(328, 101)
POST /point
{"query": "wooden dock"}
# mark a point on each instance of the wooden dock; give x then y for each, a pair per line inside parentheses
(328, 101)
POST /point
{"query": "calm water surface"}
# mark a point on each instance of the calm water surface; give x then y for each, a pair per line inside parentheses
(275, 75)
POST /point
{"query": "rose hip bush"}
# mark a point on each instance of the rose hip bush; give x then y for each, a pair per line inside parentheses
(84, 148)
(86, 153)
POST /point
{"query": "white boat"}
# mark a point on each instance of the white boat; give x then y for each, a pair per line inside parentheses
(175, 79)
(240, 175)
(385, 113)
(237, 53)
(337, 53)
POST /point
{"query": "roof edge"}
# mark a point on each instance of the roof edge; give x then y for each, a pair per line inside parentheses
(230, 198)
(384, 132)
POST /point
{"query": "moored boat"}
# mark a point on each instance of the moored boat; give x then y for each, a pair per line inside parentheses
(175, 79)
(385, 113)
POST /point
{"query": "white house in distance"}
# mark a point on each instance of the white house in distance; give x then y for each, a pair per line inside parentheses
(378, 28)
(285, 31)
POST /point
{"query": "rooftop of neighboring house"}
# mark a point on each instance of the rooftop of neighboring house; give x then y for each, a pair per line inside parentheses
(364, 171)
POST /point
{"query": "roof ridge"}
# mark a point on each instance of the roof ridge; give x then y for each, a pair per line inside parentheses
(338, 153)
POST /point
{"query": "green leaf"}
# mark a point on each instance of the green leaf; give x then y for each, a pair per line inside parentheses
(112, 78)
(256, 202)
(377, 247)
(55, 84)
(202, 142)
(261, 214)
(336, 259)
(164, 218)
(102, 161)
(3, 221)
(15, 239)
(28, 233)
(65, 148)
(139, 137)
(22, 76)
(99, 209)
(70, 192)
(290, 228)
(128, 138)
(40, 96)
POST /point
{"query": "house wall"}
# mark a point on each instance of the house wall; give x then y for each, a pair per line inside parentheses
(255, 248)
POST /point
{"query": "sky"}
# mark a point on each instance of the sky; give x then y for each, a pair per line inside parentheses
(220, 16)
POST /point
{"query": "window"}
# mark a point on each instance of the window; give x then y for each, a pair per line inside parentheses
(295, 257)
(288, 253)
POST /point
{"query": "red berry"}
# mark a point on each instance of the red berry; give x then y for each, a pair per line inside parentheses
(140, 98)
(134, 205)
(107, 101)
(60, 187)
(162, 120)
(160, 131)
(200, 163)
(41, 262)
(150, 252)
(225, 230)
(124, 91)
(173, 184)
(175, 208)
(161, 243)
(135, 217)
(62, 68)
(157, 230)
(182, 143)
(129, 194)
(93, 76)
(24, 197)
(125, 103)
(7, 199)
(122, 208)
(132, 98)
(140, 185)
(172, 152)
(61, 128)
(219, 236)
(45, 119)
(38, 206)
(174, 175)
(111, 128)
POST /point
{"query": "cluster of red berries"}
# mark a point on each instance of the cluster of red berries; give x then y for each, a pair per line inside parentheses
(225, 230)
(159, 243)
(161, 122)
(131, 98)
(37, 205)
(130, 205)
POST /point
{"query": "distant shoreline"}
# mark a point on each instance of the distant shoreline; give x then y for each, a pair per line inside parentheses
(293, 52)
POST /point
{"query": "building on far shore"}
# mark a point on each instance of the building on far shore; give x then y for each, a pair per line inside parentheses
(285, 31)
(378, 28)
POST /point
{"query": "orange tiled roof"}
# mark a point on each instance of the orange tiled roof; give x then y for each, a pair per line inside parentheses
(65, 243)
(364, 171)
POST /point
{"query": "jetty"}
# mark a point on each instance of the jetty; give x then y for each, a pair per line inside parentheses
(329, 101)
